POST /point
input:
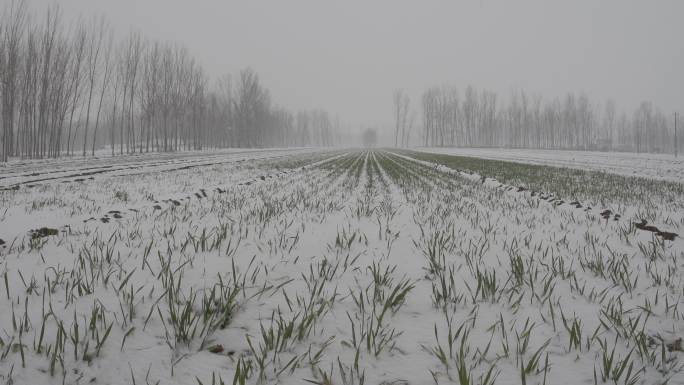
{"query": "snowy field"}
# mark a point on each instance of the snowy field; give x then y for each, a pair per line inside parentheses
(339, 267)
(76, 189)
(657, 166)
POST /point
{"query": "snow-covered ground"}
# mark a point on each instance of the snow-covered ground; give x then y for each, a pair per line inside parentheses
(333, 267)
(657, 166)
(67, 191)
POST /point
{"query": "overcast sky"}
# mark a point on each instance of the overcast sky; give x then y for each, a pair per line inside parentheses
(348, 56)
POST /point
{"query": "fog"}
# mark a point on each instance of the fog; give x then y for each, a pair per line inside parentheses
(348, 56)
(341, 192)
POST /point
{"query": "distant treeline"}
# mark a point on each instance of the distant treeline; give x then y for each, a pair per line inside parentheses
(475, 118)
(71, 87)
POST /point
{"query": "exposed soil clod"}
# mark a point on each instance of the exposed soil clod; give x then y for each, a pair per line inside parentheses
(675, 346)
(643, 225)
(667, 235)
(43, 232)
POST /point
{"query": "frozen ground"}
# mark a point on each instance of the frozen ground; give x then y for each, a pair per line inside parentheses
(657, 166)
(61, 192)
(335, 267)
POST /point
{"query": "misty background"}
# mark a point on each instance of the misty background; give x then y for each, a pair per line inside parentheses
(142, 76)
(349, 56)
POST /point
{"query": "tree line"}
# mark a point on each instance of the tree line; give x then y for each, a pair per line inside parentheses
(475, 118)
(70, 88)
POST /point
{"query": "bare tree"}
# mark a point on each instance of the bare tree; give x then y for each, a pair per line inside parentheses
(78, 51)
(249, 103)
(55, 89)
(13, 22)
(58, 81)
(93, 47)
(530, 122)
(107, 71)
(149, 93)
(224, 92)
(401, 109)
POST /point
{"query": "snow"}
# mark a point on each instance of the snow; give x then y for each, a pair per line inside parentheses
(655, 166)
(323, 239)
(82, 189)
